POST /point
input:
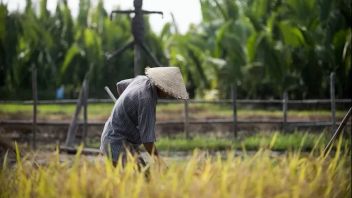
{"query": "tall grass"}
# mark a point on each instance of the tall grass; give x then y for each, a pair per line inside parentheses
(259, 175)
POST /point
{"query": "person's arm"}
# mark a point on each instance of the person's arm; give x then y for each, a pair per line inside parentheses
(146, 125)
(146, 117)
(151, 149)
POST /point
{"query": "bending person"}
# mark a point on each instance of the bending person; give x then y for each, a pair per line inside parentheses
(132, 120)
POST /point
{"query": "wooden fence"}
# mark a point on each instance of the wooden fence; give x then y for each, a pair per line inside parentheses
(83, 101)
(284, 123)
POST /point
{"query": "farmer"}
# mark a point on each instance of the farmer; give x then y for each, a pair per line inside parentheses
(132, 120)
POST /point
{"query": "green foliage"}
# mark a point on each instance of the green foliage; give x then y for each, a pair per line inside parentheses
(264, 47)
(63, 49)
(286, 45)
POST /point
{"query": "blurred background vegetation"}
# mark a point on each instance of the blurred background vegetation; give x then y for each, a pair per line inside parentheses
(263, 46)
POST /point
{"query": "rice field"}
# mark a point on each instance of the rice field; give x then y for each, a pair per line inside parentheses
(163, 112)
(294, 174)
(297, 140)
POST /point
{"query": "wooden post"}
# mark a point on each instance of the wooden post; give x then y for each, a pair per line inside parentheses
(35, 101)
(137, 60)
(71, 133)
(85, 115)
(284, 109)
(333, 102)
(234, 108)
(186, 121)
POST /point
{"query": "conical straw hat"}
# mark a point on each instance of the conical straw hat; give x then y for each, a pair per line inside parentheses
(169, 80)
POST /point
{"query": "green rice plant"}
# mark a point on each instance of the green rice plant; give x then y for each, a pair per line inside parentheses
(259, 175)
(183, 144)
(290, 141)
(278, 141)
(164, 111)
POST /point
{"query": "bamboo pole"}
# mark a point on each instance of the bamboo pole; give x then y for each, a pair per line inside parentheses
(338, 131)
(110, 93)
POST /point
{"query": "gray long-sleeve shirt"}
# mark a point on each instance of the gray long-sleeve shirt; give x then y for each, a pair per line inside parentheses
(132, 119)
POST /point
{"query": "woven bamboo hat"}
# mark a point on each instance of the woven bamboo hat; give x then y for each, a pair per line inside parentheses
(169, 80)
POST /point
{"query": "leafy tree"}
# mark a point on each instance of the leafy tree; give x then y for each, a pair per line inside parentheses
(264, 47)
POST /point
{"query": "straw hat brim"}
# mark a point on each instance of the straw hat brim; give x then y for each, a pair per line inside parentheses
(168, 80)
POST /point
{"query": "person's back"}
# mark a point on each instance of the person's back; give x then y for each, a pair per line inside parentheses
(132, 120)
